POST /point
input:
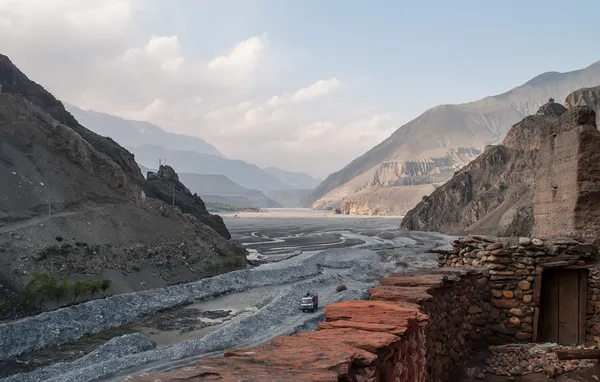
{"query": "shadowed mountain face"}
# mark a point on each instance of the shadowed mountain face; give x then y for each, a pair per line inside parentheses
(473, 124)
(166, 186)
(14, 81)
(135, 133)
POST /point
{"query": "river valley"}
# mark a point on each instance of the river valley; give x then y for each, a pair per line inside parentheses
(295, 251)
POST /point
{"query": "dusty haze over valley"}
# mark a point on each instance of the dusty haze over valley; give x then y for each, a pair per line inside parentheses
(307, 191)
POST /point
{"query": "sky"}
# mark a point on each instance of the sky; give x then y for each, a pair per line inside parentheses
(302, 85)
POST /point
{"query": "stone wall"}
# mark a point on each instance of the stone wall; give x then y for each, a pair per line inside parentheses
(513, 265)
(415, 328)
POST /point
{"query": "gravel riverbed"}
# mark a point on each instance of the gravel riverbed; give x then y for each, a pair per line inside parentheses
(272, 314)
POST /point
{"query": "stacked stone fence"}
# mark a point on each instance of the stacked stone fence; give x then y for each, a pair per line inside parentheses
(515, 266)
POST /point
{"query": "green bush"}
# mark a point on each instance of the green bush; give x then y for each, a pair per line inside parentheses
(218, 266)
(3, 304)
(44, 287)
(78, 288)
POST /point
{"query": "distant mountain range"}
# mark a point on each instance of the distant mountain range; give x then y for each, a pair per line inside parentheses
(298, 180)
(192, 155)
(430, 136)
(245, 174)
(137, 133)
(220, 189)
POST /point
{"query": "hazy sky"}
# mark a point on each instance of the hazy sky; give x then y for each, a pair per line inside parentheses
(300, 84)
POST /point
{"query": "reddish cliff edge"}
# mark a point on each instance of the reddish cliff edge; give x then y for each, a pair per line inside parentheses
(389, 337)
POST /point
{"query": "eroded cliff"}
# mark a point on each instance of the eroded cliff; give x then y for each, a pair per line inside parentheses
(363, 193)
(589, 97)
(494, 193)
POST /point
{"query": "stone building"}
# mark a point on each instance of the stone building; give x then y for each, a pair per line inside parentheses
(540, 290)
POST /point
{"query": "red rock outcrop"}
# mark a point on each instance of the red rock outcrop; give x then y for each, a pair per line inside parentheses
(415, 328)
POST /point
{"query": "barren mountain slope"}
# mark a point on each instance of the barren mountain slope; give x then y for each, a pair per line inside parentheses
(493, 194)
(15, 81)
(471, 124)
(99, 223)
(427, 171)
(395, 201)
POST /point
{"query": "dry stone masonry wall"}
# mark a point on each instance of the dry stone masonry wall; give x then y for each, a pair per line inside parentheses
(514, 265)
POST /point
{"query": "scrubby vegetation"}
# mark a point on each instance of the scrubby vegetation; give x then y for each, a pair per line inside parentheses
(216, 206)
(2, 305)
(220, 266)
(44, 287)
(341, 288)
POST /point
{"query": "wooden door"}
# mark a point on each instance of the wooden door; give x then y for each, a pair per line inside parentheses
(563, 304)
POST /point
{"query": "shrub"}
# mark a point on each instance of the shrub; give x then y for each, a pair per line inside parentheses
(78, 288)
(104, 285)
(341, 288)
(3, 304)
(43, 287)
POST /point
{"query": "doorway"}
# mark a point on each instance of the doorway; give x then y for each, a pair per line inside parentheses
(563, 306)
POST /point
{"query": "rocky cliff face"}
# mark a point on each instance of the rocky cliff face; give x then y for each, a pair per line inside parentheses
(589, 97)
(165, 185)
(567, 183)
(494, 193)
(473, 124)
(395, 174)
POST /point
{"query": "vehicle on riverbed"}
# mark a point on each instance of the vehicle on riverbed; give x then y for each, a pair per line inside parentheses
(310, 302)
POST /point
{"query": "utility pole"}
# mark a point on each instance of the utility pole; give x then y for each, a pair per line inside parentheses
(173, 195)
(49, 203)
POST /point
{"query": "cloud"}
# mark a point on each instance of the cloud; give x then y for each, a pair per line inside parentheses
(100, 55)
(316, 90)
(244, 56)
